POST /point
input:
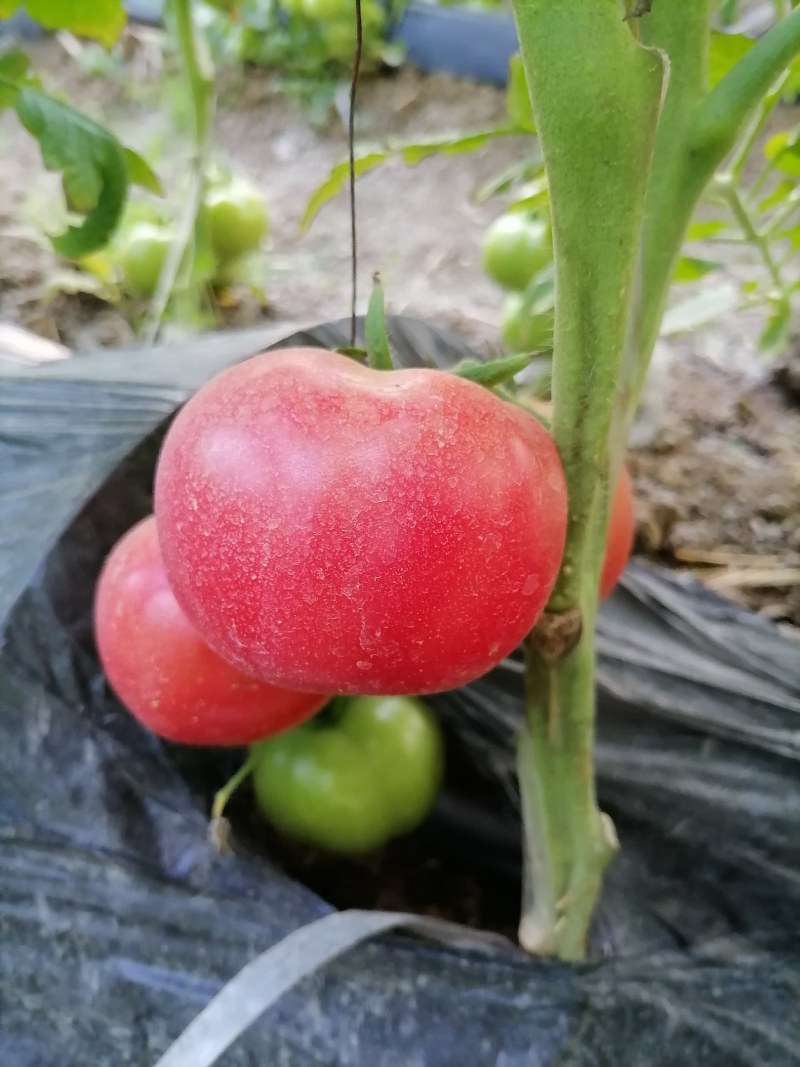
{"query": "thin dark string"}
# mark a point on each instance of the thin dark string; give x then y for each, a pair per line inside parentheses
(351, 124)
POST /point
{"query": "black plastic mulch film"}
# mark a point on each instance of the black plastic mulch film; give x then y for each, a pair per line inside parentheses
(118, 922)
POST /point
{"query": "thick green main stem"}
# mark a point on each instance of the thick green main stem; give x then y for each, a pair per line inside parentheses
(596, 95)
(625, 175)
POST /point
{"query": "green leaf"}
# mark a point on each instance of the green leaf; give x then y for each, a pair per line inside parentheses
(540, 293)
(412, 153)
(495, 372)
(777, 196)
(102, 20)
(379, 356)
(724, 52)
(783, 151)
(518, 101)
(8, 7)
(85, 154)
(336, 181)
(452, 145)
(141, 173)
(776, 332)
(517, 173)
(700, 309)
(729, 11)
(689, 268)
(533, 197)
(701, 231)
(14, 65)
(13, 73)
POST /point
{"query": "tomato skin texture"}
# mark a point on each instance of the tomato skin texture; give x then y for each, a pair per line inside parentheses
(351, 785)
(338, 529)
(621, 529)
(515, 248)
(142, 257)
(161, 670)
(237, 220)
(523, 331)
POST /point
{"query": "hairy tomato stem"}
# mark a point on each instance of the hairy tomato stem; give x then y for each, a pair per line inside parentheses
(596, 95)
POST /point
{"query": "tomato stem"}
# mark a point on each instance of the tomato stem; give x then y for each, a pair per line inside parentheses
(628, 151)
(596, 95)
(199, 74)
(569, 842)
(223, 795)
(698, 129)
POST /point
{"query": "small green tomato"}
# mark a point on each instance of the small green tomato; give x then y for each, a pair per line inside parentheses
(352, 784)
(143, 251)
(237, 220)
(515, 248)
(526, 331)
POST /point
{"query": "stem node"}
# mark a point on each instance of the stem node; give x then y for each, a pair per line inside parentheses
(556, 634)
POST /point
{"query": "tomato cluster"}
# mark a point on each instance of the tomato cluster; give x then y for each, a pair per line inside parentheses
(322, 528)
(235, 221)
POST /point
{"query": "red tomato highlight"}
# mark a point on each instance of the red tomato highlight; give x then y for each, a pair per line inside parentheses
(621, 528)
(161, 670)
(333, 528)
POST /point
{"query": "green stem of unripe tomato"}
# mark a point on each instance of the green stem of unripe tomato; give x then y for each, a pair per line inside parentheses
(199, 76)
(223, 795)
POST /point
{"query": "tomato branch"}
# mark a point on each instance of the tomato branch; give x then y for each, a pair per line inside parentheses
(200, 82)
(733, 100)
(697, 131)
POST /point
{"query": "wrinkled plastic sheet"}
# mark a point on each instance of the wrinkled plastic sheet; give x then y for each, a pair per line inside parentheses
(119, 922)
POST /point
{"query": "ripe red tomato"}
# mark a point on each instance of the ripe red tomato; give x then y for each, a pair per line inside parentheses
(620, 534)
(162, 671)
(338, 529)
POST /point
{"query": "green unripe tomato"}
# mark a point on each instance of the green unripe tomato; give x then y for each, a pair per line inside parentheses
(403, 745)
(142, 254)
(237, 220)
(525, 331)
(328, 10)
(515, 248)
(352, 784)
(314, 785)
